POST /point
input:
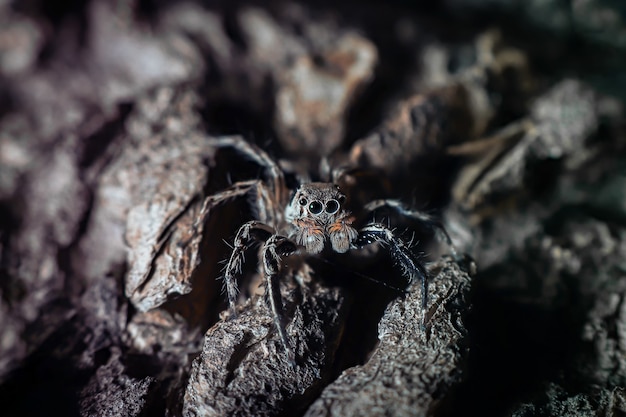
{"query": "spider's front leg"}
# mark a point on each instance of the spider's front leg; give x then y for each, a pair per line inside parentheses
(424, 218)
(274, 250)
(250, 233)
(411, 267)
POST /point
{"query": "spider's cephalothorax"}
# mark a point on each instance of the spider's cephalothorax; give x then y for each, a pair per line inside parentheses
(316, 213)
(312, 218)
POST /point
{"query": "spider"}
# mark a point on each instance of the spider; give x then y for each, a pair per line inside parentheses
(311, 220)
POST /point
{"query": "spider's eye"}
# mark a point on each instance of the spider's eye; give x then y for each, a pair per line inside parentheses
(316, 207)
(332, 206)
(302, 202)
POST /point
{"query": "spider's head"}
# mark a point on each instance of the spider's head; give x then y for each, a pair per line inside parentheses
(318, 201)
(316, 212)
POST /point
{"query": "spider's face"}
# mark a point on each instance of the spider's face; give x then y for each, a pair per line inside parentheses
(316, 212)
(318, 201)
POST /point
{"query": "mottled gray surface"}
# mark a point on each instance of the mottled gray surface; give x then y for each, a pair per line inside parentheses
(243, 369)
(111, 392)
(411, 370)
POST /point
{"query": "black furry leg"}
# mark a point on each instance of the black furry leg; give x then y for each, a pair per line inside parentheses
(424, 218)
(412, 269)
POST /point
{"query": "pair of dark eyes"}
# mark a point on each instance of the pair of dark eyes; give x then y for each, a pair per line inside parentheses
(316, 207)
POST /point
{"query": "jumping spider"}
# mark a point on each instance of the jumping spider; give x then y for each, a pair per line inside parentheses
(313, 219)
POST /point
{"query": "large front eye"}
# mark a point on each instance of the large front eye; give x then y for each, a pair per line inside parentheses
(316, 207)
(332, 206)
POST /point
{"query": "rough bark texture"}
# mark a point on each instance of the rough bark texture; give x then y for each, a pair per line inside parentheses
(412, 369)
(243, 370)
(506, 117)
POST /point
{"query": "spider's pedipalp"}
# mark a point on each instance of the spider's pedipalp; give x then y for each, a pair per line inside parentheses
(411, 267)
(341, 233)
(310, 235)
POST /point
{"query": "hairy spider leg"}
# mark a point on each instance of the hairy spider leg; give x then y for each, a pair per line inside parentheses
(420, 216)
(411, 268)
(238, 189)
(264, 209)
(275, 248)
(275, 175)
(262, 201)
(250, 233)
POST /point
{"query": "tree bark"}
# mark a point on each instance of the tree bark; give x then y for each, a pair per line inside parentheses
(110, 298)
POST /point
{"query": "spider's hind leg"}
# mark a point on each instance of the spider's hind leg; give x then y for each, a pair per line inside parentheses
(411, 267)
